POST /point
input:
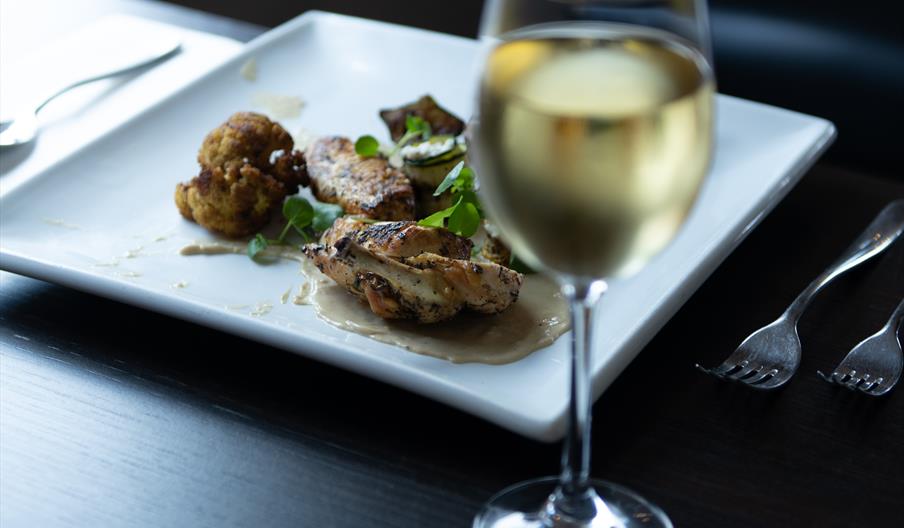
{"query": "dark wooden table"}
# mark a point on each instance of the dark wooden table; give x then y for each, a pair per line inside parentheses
(114, 416)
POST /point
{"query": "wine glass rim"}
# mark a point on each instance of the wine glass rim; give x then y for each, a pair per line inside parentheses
(595, 29)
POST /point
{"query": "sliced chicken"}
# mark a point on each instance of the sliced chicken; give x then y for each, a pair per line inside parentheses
(495, 250)
(364, 186)
(392, 289)
(483, 287)
(399, 239)
(426, 287)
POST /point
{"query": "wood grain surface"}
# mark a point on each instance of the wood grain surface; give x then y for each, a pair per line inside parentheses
(114, 416)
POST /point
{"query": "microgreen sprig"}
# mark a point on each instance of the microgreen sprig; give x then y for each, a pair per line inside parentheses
(367, 146)
(303, 217)
(463, 217)
(415, 127)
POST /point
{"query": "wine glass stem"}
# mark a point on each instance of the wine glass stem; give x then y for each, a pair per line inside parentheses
(574, 497)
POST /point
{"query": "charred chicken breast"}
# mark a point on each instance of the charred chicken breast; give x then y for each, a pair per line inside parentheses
(399, 239)
(369, 187)
(405, 271)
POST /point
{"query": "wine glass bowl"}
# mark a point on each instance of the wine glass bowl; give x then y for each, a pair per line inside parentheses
(592, 142)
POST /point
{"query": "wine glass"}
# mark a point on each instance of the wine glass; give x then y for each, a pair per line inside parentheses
(591, 139)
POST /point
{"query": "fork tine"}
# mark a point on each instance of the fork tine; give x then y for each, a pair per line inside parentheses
(840, 378)
(720, 371)
(764, 376)
(868, 388)
(711, 371)
(881, 387)
(854, 382)
(750, 374)
(744, 373)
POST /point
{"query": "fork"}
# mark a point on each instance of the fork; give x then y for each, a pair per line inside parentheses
(770, 356)
(873, 366)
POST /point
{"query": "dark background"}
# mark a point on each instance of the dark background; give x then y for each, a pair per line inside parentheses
(843, 61)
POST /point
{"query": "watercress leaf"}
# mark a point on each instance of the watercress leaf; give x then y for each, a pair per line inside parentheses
(298, 212)
(464, 181)
(464, 220)
(256, 245)
(367, 146)
(450, 178)
(414, 123)
(305, 233)
(438, 219)
(471, 198)
(418, 126)
(324, 215)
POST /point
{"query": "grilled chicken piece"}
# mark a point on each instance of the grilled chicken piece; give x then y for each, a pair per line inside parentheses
(399, 239)
(441, 120)
(494, 249)
(483, 287)
(364, 186)
(426, 287)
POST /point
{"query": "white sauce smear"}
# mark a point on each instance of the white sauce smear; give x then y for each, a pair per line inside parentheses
(538, 317)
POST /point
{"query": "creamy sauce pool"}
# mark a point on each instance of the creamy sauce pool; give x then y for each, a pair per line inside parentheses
(538, 317)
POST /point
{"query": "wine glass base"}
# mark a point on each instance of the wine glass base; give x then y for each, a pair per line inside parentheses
(525, 504)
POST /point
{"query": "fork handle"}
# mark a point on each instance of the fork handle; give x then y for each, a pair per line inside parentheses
(897, 317)
(877, 237)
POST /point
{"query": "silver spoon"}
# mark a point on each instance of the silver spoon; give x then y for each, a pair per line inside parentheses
(23, 127)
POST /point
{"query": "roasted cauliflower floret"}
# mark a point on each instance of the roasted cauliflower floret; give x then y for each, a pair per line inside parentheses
(247, 168)
(235, 202)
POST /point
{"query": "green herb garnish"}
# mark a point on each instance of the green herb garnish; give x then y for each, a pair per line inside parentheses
(256, 245)
(367, 146)
(324, 216)
(459, 179)
(418, 125)
(415, 127)
(298, 213)
(304, 218)
(463, 217)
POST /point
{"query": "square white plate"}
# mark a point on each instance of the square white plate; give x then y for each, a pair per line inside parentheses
(79, 222)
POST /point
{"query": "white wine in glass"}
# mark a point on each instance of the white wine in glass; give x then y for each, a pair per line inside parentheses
(591, 142)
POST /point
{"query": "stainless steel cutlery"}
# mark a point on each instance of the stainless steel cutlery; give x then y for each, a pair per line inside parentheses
(770, 356)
